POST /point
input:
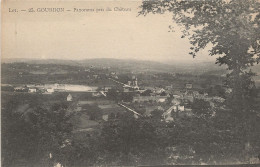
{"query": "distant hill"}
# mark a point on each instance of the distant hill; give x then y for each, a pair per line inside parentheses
(41, 61)
(197, 68)
(130, 64)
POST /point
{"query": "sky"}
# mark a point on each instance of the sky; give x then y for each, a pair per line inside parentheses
(84, 35)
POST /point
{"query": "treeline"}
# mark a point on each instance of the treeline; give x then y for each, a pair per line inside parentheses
(23, 73)
(37, 135)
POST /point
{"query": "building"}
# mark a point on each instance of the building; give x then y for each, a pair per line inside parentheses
(159, 90)
(21, 89)
(106, 88)
(167, 115)
(69, 97)
(127, 88)
(105, 117)
(96, 94)
(176, 101)
(149, 98)
(161, 99)
(133, 83)
(188, 86)
(181, 108)
(32, 90)
(50, 90)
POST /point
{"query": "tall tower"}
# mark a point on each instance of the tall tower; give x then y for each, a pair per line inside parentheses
(136, 84)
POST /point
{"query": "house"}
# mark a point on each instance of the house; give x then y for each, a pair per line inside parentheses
(169, 119)
(96, 94)
(167, 115)
(50, 90)
(126, 89)
(188, 86)
(159, 90)
(95, 76)
(218, 99)
(21, 89)
(69, 97)
(176, 101)
(196, 93)
(181, 108)
(161, 100)
(106, 88)
(105, 117)
(32, 90)
(129, 83)
(41, 90)
(149, 98)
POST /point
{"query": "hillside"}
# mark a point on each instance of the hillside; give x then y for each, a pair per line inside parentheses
(132, 65)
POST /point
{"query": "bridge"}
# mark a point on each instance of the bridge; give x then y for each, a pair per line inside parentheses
(136, 113)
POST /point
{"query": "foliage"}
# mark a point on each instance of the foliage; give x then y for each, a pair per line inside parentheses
(127, 97)
(146, 93)
(112, 94)
(130, 141)
(157, 114)
(30, 133)
(93, 111)
(201, 108)
(231, 30)
(231, 27)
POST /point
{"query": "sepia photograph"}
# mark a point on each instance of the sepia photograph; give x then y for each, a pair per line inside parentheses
(130, 83)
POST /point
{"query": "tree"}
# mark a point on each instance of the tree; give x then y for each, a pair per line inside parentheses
(157, 114)
(127, 97)
(130, 141)
(30, 133)
(146, 93)
(112, 94)
(232, 27)
(94, 112)
(201, 108)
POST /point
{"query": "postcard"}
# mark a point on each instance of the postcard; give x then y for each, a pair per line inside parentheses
(130, 83)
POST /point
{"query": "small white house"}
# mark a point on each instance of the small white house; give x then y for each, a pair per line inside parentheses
(19, 88)
(69, 97)
(181, 108)
(96, 94)
(105, 117)
(161, 100)
(169, 118)
(32, 90)
(188, 86)
(50, 90)
(176, 102)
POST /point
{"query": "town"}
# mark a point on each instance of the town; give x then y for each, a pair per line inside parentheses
(98, 98)
(130, 83)
(113, 90)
